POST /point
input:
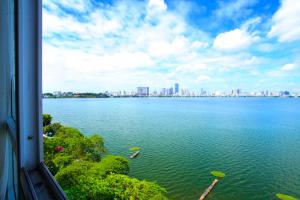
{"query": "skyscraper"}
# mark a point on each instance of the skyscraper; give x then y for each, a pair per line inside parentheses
(170, 91)
(163, 91)
(176, 88)
(143, 91)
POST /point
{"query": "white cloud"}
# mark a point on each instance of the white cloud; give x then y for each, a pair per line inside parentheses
(234, 9)
(122, 45)
(164, 49)
(239, 38)
(286, 22)
(266, 47)
(233, 40)
(250, 24)
(155, 8)
(288, 67)
(157, 5)
(78, 5)
(199, 45)
(202, 78)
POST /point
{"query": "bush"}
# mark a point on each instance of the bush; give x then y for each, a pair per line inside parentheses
(77, 164)
(47, 118)
(51, 129)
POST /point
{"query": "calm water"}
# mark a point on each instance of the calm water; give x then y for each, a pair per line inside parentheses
(255, 141)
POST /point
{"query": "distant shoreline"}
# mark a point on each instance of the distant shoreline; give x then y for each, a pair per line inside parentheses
(171, 97)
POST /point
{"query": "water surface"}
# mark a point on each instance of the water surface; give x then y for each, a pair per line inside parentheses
(255, 141)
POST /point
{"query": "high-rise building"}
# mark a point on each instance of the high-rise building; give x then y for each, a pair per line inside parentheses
(163, 91)
(202, 92)
(57, 93)
(143, 91)
(267, 93)
(170, 91)
(176, 88)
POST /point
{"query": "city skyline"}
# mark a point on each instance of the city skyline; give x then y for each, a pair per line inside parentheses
(176, 91)
(217, 45)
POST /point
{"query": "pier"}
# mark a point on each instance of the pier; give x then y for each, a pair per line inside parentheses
(207, 191)
(135, 154)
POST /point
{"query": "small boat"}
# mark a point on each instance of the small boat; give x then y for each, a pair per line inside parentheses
(135, 154)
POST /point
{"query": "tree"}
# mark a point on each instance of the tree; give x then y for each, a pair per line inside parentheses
(47, 118)
(132, 188)
(80, 180)
(94, 147)
(51, 129)
(112, 165)
(77, 164)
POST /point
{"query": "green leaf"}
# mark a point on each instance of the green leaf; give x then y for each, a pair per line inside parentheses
(285, 197)
(218, 174)
(135, 148)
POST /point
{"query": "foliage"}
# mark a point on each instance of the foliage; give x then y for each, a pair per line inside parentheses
(51, 129)
(132, 188)
(95, 147)
(218, 174)
(91, 95)
(112, 165)
(135, 148)
(47, 118)
(285, 197)
(78, 165)
(81, 178)
(75, 147)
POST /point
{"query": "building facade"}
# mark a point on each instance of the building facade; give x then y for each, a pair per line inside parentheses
(143, 91)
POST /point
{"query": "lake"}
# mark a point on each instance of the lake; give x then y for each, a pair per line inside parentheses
(255, 141)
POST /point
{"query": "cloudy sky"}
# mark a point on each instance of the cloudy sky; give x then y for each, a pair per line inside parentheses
(97, 45)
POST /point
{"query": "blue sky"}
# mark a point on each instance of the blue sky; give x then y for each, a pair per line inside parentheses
(218, 45)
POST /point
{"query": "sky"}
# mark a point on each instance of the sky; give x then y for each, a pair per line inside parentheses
(218, 45)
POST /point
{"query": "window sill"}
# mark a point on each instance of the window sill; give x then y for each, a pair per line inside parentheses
(39, 184)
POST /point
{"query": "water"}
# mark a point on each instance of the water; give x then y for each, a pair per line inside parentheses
(255, 141)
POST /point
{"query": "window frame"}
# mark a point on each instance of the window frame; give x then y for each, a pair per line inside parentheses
(29, 82)
(25, 130)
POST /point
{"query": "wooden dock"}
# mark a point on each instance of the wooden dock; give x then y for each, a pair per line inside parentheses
(207, 191)
(135, 154)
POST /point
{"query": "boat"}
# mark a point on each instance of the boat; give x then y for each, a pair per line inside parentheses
(135, 154)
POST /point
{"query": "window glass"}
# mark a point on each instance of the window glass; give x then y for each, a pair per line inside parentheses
(8, 147)
(12, 63)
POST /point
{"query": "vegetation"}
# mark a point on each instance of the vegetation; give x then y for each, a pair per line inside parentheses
(91, 95)
(285, 197)
(50, 129)
(47, 118)
(76, 95)
(83, 170)
(135, 148)
(218, 174)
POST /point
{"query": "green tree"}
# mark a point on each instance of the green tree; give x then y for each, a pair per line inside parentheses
(112, 165)
(82, 178)
(77, 164)
(132, 188)
(75, 147)
(47, 118)
(94, 147)
(51, 129)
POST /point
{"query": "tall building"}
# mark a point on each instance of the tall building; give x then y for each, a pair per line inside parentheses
(176, 88)
(163, 91)
(57, 93)
(170, 91)
(202, 92)
(143, 91)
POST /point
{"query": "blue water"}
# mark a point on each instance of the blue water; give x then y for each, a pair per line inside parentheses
(255, 141)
